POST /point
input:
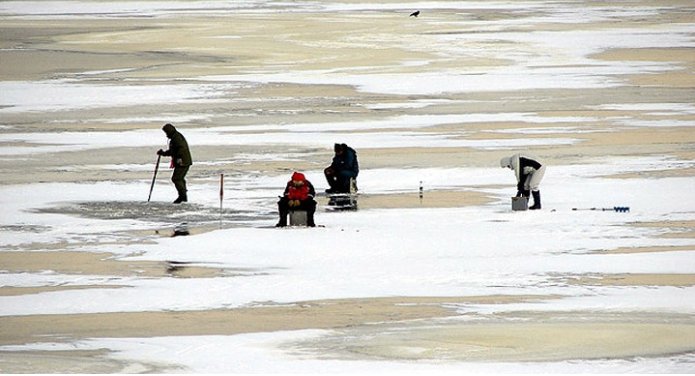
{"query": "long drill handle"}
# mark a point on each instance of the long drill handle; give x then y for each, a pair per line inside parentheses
(154, 177)
(619, 209)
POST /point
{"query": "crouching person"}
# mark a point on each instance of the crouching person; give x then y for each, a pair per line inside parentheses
(529, 173)
(299, 195)
(343, 168)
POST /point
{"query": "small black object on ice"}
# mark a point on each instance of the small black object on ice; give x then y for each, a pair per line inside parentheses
(181, 230)
(415, 14)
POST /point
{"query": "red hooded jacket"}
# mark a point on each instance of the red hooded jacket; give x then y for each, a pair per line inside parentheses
(301, 192)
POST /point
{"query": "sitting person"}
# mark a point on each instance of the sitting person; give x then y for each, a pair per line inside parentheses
(342, 169)
(299, 195)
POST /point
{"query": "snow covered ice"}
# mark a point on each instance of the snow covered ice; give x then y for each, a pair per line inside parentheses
(486, 79)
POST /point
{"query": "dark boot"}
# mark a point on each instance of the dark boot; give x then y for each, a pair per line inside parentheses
(283, 220)
(310, 218)
(184, 192)
(536, 200)
(282, 210)
(179, 180)
(183, 197)
(330, 179)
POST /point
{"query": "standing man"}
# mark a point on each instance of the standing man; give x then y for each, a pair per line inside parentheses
(343, 167)
(529, 173)
(181, 160)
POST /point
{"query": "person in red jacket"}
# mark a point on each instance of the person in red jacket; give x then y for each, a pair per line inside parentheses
(299, 195)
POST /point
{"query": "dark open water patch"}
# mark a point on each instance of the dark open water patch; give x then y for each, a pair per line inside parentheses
(25, 228)
(157, 212)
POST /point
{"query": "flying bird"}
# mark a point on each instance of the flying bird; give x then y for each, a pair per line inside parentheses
(415, 14)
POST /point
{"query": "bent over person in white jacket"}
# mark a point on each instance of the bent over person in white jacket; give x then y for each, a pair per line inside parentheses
(529, 173)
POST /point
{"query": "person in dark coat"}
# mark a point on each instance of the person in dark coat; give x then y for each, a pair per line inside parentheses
(529, 173)
(181, 160)
(299, 195)
(343, 167)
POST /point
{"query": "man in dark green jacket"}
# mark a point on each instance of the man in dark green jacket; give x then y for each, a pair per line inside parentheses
(181, 160)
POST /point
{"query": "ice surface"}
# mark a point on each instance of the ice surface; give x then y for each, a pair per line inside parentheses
(466, 251)
(479, 250)
(60, 95)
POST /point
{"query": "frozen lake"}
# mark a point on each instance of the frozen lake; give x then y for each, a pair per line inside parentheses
(263, 88)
